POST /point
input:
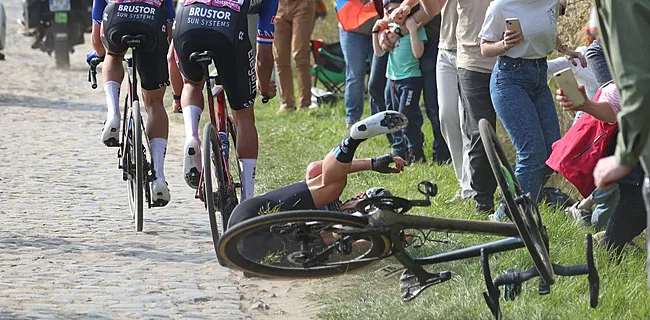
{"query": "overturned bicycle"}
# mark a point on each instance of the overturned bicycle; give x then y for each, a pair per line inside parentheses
(325, 244)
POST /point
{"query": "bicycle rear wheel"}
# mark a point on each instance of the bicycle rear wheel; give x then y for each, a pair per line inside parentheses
(137, 181)
(302, 244)
(213, 179)
(524, 214)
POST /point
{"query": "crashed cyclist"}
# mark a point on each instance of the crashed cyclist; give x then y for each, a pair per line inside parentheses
(324, 182)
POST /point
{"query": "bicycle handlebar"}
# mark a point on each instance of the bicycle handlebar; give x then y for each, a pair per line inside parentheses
(92, 71)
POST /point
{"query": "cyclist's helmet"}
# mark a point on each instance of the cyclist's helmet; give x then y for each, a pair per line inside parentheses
(375, 192)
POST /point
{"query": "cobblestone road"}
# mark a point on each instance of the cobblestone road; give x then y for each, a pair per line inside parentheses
(68, 247)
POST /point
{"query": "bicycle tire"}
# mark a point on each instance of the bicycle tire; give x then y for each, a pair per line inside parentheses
(139, 166)
(528, 227)
(229, 247)
(212, 147)
(233, 190)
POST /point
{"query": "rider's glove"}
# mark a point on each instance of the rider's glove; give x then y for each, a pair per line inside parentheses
(92, 55)
(382, 164)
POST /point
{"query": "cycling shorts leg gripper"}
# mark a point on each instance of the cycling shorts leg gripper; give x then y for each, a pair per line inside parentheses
(344, 152)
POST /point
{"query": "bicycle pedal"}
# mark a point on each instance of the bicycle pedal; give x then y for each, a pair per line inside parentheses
(411, 286)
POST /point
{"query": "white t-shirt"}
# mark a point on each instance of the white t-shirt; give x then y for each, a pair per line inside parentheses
(538, 19)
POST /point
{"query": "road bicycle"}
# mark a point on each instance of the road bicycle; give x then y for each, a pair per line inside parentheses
(220, 185)
(133, 153)
(313, 244)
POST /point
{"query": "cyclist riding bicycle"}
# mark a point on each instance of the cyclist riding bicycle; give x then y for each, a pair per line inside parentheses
(221, 26)
(261, 32)
(323, 184)
(152, 18)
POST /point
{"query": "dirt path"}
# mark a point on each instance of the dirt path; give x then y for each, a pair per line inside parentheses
(67, 243)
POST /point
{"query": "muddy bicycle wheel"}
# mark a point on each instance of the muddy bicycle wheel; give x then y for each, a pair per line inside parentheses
(522, 211)
(213, 179)
(302, 244)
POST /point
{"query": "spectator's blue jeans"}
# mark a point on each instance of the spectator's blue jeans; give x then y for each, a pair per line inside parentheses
(356, 48)
(430, 91)
(524, 103)
(606, 202)
(405, 98)
(598, 63)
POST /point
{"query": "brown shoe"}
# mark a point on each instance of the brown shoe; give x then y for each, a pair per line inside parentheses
(284, 109)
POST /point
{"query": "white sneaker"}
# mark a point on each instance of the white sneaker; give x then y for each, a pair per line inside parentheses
(111, 132)
(159, 193)
(192, 163)
(378, 124)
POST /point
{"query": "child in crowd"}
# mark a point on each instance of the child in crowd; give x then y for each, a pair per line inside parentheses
(404, 75)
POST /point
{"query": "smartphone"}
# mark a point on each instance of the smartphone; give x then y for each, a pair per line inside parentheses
(513, 24)
(567, 82)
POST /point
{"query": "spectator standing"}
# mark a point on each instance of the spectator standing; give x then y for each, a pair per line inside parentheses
(355, 23)
(620, 23)
(403, 73)
(450, 109)
(519, 87)
(474, 72)
(294, 24)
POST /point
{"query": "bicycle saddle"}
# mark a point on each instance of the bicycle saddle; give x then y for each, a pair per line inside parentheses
(202, 57)
(133, 41)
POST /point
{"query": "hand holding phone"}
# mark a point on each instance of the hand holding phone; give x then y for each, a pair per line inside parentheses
(513, 35)
(567, 82)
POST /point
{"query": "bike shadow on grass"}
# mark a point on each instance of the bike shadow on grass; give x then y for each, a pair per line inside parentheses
(12, 100)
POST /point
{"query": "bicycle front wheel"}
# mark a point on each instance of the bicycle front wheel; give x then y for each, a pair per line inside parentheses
(302, 244)
(214, 180)
(529, 224)
(138, 181)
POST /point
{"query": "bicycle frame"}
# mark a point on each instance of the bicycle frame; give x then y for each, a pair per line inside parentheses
(220, 122)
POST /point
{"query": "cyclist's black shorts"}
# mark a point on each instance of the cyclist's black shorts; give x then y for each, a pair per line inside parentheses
(223, 31)
(258, 244)
(292, 197)
(139, 19)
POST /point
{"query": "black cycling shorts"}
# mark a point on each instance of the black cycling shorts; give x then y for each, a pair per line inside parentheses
(139, 19)
(223, 31)
(258, 244)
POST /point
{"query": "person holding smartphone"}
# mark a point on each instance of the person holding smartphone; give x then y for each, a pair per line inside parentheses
(522, 34)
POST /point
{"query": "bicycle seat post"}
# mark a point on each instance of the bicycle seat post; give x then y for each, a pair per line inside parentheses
(134, 42)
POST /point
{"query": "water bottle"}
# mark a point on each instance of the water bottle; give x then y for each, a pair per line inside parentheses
(225, 145)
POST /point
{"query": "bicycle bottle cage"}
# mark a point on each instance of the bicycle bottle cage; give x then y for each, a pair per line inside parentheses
(513, 279)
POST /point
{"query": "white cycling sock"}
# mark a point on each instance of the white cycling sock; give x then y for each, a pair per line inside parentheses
(158, 150)
(248, 177)
(191, 117)
(112, 90)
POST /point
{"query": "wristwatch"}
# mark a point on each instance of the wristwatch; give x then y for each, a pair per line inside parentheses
(396, 29)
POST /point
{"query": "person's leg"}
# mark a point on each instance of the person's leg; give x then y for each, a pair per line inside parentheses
(175, 78)
(282, 55)
(474, 88)
(606, 202)
(304, 19)
(628, 220)
(354, 46)
(441, 153)
(328, 186)
(598, 63)
(512, 86)
(545, 106)
(112, 75)
(447, 93)
(398, 138)
(409, 91)
(377, 84)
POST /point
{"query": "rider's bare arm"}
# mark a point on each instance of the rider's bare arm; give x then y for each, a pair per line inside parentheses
(97, 41)
(315, 169)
